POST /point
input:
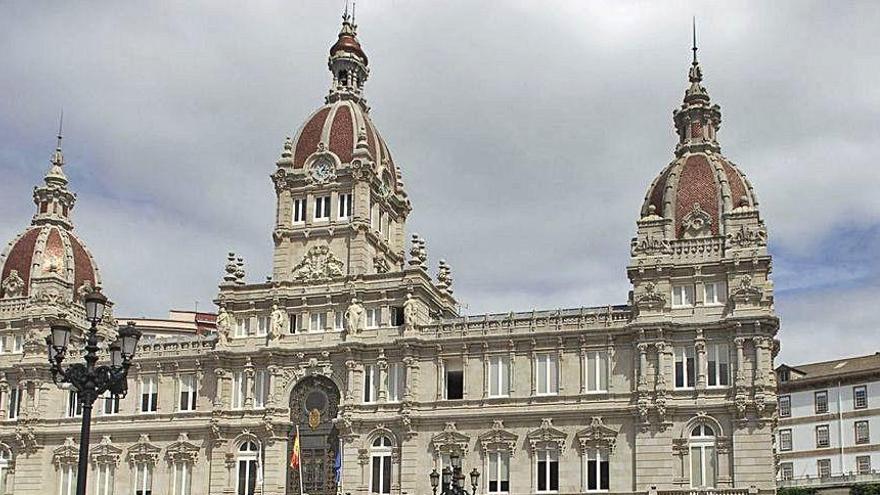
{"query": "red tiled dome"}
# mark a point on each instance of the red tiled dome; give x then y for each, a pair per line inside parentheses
(705, 182)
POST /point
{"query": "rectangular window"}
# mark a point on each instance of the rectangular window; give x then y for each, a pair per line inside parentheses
(682, 296)
(785, 440)
(784, 406)
(597, 475)
(396, 381)
(296, 323)
(702, 465)
(17, 344)
(111, 406)
(239, 382)
(243, 327)
(454, 381)
(786, 471)
(862, 433)
(345, 207)
(371, 383)
(821, 402)
(499, 472)
(547, 374)
(597, 372)
(104, 479)
(247, 476)
(317, 322)
(143, 481)
(263, 323)
(261, 388)
(823, 466)
(181, 481)
(149, 394)
(373, 317)
(380, 473)
(860, 397)
(396, 316)
(685, 367)
(863, 464)
(716, 293)
(322, 208)
(499, 376)
(299, 210)
(67, 479)
(548, 471)
(339, 321)
(822, 439)
(187, 392)
(74, 406)
(718, 365)
(14, 405)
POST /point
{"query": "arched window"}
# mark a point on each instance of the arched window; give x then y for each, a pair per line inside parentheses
(702, 451)
(5, 459)
(249, 469)
(380, 466)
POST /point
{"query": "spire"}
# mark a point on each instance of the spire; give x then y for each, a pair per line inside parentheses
(697, 121)
(348, 63)
(56, 172)
(53, 200)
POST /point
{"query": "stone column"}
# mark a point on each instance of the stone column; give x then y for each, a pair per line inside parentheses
(609, 362)
(700, 357)
(534, 373)
(219, 376)
(740, 342)
(381, 377)
(486, 366)
(249, 386)
(583, 357)
(510, 368)
(410, 380)
(464, 373)
(560, 354)
(643, 366)
(440, 366)
(350, 366)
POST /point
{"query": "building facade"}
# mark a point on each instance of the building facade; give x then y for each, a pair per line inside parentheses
(829, 419)
(356, 341)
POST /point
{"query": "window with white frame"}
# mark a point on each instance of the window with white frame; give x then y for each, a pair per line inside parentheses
(863, 464)
(823, 468)
(682, 295)
(685, 367)
(322, 208)
(371, 383)
(786, 471)
(143, 479)
(17, 344)
(111, 405)
(702, 452)
(499, 376)
(380, 466)
(597, 474)
(66, 479)
(104, 475)
(715, 293)
(784, 406)
(181, 478)
(718, 357)
(5, 482)
(822, 436)
(74, 406)
(296, 322)
(339, 320)
(299, 210)
(498, 475)
(243, 327)
(821, 401)
(860, 397)
(547, 374)
(261, 388)
(263, 323)
(547, 467)
(149, 394)
(13, 407)
(396, 381)
(785, 440)
(239, 384)
(248, 468)
(345, 206)
(373, 317)
(187, 392)
(317, 321)
(862, 434)
(597, 371)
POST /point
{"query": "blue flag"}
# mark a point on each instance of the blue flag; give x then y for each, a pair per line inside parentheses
(337, 464)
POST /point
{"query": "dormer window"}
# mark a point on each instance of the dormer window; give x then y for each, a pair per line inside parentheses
(322, 208)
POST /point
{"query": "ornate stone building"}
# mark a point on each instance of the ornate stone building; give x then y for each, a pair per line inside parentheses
(356, 340)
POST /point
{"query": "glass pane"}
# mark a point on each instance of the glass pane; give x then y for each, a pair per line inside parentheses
(710, 466)
(591, 475)
(542, 475)
(696, 467)
(542, 375)
(554, 376)
(505, 468)
(242, 477)
(386, 474)
(493, 468)
(376, 475)
(604, 475)
(591, 371)
(505, 377)
(603, 372)
(554, 475)
(679, 374)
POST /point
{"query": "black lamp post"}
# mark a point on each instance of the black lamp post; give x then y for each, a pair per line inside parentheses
(89, 380)
(453, 479)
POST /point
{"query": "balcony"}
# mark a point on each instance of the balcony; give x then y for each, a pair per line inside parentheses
(838, 480)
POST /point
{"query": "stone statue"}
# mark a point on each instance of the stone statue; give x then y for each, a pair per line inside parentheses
(224, 324)
(355, 316)
(85, 289)
(13, 286)
(409, 311)
(279, 323)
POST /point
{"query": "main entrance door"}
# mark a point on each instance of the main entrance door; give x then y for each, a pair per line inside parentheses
(314, 403)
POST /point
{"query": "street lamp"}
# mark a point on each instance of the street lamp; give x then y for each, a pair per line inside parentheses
(453, 479)
(89, 380)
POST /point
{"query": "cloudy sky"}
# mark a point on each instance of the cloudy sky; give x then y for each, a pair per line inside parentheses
(527, 132)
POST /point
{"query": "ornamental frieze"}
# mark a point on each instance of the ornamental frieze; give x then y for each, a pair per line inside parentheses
(318, 265)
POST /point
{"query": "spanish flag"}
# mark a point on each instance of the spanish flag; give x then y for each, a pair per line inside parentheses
(294, 453)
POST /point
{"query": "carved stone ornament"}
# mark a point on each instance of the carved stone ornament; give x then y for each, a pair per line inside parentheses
(651, 246)
(747, 237)
(380, 265)
(105, 453)
(182, 450)
(66, 453)
(143, 452)
(13, 285)
(322, 168)
(498, 439)
(450, 440)
(597, 435)
(318, 265)
(546, 434)
(745, 292)
(650, 299)
(697, 223)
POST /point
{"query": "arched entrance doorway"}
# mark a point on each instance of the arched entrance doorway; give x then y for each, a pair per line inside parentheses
(314, 404)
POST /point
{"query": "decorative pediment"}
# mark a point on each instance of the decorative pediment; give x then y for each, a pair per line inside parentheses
(650, 299)
(597, 435)
(318, 265)
(697, 223)
(143, 452)
(746, 292)
(66, 453)
(105, 452)
(498, 439)
(545, 435)
(182, 450)
(450, 440)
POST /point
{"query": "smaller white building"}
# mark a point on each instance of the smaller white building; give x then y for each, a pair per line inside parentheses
(829, 422)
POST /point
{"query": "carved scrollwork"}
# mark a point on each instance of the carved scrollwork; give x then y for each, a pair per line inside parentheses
(182, 450)
(650, 299)
(143, 452)
(650, 246)
(105, 452)
(697, 223)
(746, 292)
(747, 237)
(318, 265)
(545, 435)
(450, 440)
(597, 435)
(66, 453)
(498, 439)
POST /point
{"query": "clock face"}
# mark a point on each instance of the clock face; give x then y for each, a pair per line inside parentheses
(321, 170)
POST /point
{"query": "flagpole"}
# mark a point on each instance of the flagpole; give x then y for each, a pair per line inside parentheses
(300, 465)
(341, 490)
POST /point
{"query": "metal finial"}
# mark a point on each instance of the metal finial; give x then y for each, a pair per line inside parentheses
(694, 48)
(353, 7)
(345, 14)
(60, 129)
